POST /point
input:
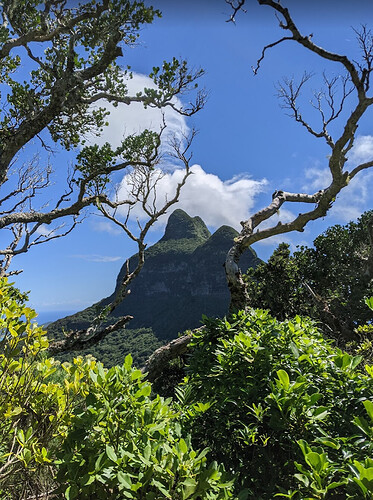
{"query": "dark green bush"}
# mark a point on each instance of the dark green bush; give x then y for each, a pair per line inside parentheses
(330, 276)
(125, 444)
(269, 389)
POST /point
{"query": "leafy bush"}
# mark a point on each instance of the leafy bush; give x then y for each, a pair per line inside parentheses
(35, 410)
(81, 431)
(335, 269)
(269, 389)
(125, 444)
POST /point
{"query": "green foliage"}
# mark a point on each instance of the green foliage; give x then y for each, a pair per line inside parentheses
(112, 350)
(125, 444)
(35, 410)
(277, 285)
(335, 270)
(87, 45)
(269, 385)
(82, 431)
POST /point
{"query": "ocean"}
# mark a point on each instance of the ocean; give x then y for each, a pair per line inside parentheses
(50, 316)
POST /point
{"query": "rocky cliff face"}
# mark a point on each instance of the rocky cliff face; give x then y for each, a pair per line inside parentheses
(182, 279)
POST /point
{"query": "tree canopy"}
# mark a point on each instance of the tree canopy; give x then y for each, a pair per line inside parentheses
(334, 105)
(327, 282)
(73, 57)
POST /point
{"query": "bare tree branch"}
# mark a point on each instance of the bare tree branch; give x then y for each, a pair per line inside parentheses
(159, 360)
(143, 188)
(236, 5)
(83, 339)
(323, 199)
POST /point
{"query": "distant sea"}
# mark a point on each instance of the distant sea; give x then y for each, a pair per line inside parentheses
(50, 316)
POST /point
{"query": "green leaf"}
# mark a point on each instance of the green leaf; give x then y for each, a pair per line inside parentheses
(128, 362)
(283, 378)
(144, 391)
(369, 408)
(183, 446)
(330, 442)
(363, 425)
(320, 413)
(147, 451)
(124, 480)
(111, 453)
(71, 492)
(369, 302)
(136, 374)
(161, 488)
(294, 349)
(356, 360)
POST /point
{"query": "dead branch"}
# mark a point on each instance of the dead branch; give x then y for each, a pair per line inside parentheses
(143, 186)
(159, 360)
(324, 198)
(83, 339)
(236, 7)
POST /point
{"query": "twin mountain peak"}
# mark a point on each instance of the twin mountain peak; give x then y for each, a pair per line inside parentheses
(183, 278)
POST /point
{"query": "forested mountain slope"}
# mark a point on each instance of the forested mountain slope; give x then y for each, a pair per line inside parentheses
(182, 279)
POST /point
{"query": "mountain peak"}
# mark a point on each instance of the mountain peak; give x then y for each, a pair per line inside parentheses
(180, 225)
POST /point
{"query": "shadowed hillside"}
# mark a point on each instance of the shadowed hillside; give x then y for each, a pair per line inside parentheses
(182, 279)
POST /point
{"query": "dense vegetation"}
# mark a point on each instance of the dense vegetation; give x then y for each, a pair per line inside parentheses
(283, 411)
(140, 343)
(327, 282)
(77, 430)
(270, 407)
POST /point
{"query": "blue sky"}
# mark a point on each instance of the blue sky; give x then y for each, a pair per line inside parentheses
(246, 147)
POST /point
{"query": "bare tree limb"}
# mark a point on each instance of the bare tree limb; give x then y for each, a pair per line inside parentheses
(83, 339)
(144, 185)
(158, 361)
(324, 198)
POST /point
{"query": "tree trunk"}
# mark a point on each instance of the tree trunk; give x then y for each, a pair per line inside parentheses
(239, 298)
(370, 258)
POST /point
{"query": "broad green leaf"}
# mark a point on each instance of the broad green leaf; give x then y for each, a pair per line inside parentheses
(369, 302)
(183, 446)
(330, 442)
(71, 492)
(111, 453)
(136, 374)
(363, 425)
(161, 488)
(283, 378)
(320, 413)
(124, 480)
(369, 408)
(294, 349)
(128, 362)
(147, 451)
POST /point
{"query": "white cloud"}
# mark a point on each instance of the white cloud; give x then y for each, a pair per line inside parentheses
(106, 227)
(216, 201)
(96, 258)
(362, 150)
(46, 231)
(130, 119)
(317, 178)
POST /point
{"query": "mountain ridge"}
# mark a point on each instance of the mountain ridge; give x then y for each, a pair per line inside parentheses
(182, 279)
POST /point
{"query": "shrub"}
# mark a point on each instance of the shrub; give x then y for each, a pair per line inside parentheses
(125, 444)
(270, 388)
(81, 431)
(35, 410)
